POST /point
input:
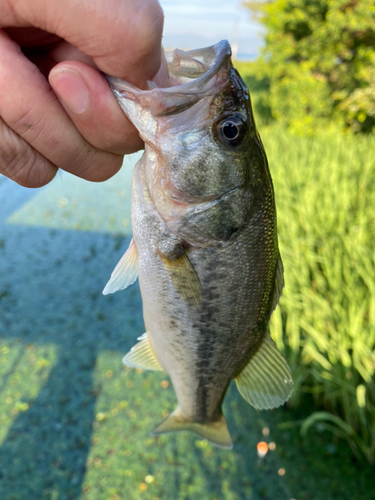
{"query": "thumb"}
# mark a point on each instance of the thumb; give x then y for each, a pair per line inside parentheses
(122, 36)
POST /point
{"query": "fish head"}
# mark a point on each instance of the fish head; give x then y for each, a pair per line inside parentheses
(197, 124)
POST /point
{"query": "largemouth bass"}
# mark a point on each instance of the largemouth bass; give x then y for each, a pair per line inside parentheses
(204, 241)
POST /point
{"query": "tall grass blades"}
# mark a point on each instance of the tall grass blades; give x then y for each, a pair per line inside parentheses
(325, 194)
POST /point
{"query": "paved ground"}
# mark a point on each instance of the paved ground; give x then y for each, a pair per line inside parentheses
(73, 424)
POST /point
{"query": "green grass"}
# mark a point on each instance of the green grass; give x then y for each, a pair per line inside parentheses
(325, 192)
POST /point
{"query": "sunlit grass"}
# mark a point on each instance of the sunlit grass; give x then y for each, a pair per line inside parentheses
(325, 192)
(17, 364)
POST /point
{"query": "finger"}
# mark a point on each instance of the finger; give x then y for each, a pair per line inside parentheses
(89, 102)
(30, 37)
(22, 163)
(45, 57)
(31, 109)
(103, 124)
(122, 36)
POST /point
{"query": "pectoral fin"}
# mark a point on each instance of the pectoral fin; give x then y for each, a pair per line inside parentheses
(215, 432)
(266, 382)
(125, 273)
(142, 356)
(184, 277)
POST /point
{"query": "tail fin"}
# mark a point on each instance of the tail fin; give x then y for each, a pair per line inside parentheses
(216, 433)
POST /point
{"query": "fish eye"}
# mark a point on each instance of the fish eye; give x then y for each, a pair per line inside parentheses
(231, 130)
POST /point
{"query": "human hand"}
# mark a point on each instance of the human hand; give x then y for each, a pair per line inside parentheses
(73, 122)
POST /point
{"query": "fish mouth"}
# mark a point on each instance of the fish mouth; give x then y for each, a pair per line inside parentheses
(185, 77)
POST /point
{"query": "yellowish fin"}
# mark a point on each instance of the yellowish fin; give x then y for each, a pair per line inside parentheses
(142, 356)
(266, 382)
(216, 433)
(125, 273)
(184, 277)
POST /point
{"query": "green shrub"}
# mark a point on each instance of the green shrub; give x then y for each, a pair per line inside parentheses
(319, 57)
(325, 189)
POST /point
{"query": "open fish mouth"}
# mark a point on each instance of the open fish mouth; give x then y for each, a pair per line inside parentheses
(195, 68)
(183, 79)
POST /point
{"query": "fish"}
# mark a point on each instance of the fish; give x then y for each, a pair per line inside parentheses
(204, 244)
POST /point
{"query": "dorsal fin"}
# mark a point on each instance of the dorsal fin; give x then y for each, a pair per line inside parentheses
(142, 356)
(125, 273)
(266, 381)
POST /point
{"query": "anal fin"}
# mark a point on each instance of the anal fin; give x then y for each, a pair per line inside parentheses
(216, 433)
(125, 273)
(142, 356)
(266, 381)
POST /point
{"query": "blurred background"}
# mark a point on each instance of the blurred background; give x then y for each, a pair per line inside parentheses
(193, 24)
(74, 424)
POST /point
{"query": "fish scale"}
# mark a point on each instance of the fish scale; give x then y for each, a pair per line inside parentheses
(204, 242)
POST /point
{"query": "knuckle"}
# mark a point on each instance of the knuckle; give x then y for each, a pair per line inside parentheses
(29, 121)
(96, 166)
(144, 32)
(29, 118)
(33, 170)
(150, 27)
(154, 19)
(20, 162)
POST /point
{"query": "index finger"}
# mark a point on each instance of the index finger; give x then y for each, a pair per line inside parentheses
(122, 36)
